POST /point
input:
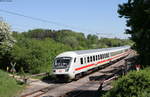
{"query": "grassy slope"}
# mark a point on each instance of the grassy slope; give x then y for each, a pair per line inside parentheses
(8, 86)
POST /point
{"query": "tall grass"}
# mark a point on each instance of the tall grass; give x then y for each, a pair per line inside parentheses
(8, 86)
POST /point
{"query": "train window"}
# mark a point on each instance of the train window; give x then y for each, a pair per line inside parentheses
(111, 53)
(88, 59)
(74, 60)
(96, 57)
(108, 55)
(62, 62)
(84, 59)
(105, 55)
(101, 56)
(81, 60)
(93, 58)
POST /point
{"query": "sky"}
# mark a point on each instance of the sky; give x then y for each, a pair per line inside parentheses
(88, 16)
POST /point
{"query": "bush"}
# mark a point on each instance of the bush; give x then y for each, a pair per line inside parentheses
(134, 84)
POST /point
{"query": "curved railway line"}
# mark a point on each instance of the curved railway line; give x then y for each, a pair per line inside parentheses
(77, 88)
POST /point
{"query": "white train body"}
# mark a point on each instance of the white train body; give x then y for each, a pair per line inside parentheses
(72, 63)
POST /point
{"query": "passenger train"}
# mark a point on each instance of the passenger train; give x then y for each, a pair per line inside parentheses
(73, 64)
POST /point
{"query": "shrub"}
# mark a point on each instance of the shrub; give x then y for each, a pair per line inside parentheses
(134, 84)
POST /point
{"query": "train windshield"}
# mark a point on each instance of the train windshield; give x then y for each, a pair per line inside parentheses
(62, 62)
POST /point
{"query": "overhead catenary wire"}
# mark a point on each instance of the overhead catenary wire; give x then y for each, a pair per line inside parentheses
(43, 20)
(56, 23)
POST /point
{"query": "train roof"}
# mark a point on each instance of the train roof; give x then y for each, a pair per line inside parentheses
(80, 52)
(100, 50)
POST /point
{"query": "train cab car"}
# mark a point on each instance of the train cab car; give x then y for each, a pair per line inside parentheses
(63, 64)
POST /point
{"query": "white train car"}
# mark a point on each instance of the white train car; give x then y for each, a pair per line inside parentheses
(72, 64)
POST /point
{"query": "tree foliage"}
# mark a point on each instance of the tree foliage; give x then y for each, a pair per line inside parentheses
(35, 56)
(134, 84)
(75, 40)
(6, 43)
(5, 35)
(137, 13)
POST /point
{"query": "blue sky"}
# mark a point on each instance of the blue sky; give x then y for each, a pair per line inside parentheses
(87, 16)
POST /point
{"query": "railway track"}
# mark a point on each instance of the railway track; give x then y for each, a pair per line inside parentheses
(81, 93)
(42, 91)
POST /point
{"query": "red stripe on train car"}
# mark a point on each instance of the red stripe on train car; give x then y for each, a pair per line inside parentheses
(84, 67)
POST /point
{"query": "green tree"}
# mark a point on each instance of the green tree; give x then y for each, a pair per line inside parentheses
(92, 41)
(137, 13)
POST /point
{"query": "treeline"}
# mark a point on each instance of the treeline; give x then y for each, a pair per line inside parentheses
(35, 50)
(78, 40)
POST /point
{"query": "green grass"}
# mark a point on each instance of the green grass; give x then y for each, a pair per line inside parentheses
(9, 87)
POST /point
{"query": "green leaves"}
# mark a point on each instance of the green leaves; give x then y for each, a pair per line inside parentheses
(35, 56)
(75, 40)
(137, 13)
(134, 84)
